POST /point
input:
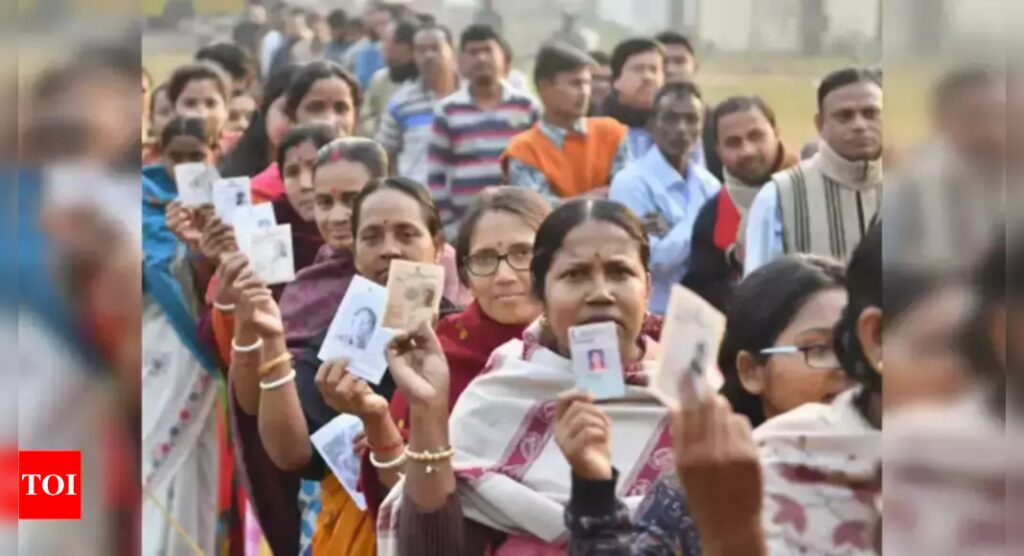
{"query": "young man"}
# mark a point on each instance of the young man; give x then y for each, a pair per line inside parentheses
(406, 125)
(401, 69)
(565, 154)
(235, 62)
(473, 126)
(600, 80)
(637, 74)
(680, 58)
(825, 204)
(364, 58)
(748, 143)
(666, 189)
(345, 31)
(274, 39)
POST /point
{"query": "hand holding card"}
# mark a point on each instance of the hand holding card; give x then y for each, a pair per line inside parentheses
(272, 259)
(596, 361)
(250, 218)
(195, 183)
(336, 443)
(356, 333)
(690, 339)
(414, 293)
(229, 195)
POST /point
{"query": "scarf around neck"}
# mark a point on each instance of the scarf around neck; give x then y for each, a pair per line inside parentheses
(309, 303)
(860, 175)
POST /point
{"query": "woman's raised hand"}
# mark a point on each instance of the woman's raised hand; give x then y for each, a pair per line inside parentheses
(582, 432)
(183, 225)
(217, 240)
(419, 366)
(346, 393)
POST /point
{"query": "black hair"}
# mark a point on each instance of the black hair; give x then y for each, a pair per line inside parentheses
(364, 151)
(864, 290)
(528, 205)
(337, 18)
(600, 58)
(436, 26)
(161, 88)
(415, 190)
(318, 134)
(315, 71)
(674, 37)
(680, 88)
(233, 58)
(427, 19)
(195, 72)
(405, 31)
(960, 80)
(202, 129)
(846, 76)
(629, 48)
(761, 307)
(990, 286)
(479, 32)
(557, 58)
(249, 156)
(564, 219)
(733, 105)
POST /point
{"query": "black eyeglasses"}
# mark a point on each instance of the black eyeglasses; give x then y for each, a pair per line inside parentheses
(819, 356)
(486, 263)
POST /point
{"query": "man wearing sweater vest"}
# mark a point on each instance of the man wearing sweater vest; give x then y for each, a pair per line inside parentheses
(565, 154)
(666, 188)
(825, 204)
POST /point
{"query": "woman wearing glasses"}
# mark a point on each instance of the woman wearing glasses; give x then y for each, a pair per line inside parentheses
(777, 351)
(494, 248)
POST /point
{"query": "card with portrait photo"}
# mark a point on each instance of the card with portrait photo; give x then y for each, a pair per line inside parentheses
(250, 218)
(195, 183)
(690, 339)
(355, 332)
(271, 254)
(230, 195)
(414, 292)
(336, 443)
(596, 361)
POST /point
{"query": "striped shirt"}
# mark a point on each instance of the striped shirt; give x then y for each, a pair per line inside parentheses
(406, 127)
(465, 150)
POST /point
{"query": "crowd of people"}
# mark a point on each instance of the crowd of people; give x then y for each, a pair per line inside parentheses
(586, 197)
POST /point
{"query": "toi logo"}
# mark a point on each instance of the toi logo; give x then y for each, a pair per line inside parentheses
(50, 485)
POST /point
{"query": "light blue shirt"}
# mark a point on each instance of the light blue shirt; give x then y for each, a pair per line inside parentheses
(651, 185)
(763, 242)
(640, 141)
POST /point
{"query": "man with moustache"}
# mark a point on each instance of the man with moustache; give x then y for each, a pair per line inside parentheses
(666, 188)
(746, 139)
(638, 71)
(400, 69)
(565, 154)
(825, 204)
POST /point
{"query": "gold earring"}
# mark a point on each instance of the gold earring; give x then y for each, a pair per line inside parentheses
(879, 366)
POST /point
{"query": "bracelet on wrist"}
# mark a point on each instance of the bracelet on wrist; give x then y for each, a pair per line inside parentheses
(397, 462)
(224, 307)
(265, 368)
(274, 384)
(429, 458)
(385, 448)
(247, 349)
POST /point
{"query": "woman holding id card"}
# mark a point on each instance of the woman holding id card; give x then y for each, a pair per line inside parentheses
(589, 266)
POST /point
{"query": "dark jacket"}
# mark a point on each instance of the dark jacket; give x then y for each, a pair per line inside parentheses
(713, 274)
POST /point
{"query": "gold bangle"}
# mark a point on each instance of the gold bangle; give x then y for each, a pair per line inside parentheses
(269, 365)
(428, 457)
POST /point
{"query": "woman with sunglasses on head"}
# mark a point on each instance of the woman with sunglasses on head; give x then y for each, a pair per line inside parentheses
(500, 483)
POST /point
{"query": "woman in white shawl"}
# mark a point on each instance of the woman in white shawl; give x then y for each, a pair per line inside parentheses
(499, 482)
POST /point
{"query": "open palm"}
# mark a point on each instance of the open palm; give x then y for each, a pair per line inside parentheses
(419, 367)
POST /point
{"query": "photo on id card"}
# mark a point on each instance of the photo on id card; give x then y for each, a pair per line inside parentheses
(355, 332)
(690, 339)
(596, 362)
(250, 218)
(272, 259)
(230, 195)
(336, 443)
(414, 292)
(195, 183)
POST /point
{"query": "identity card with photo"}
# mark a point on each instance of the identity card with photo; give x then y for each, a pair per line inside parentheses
(596, 361)
(272, 259)
(414, 292)
(250, 218)
(356, 334)
(229, 195)
(195, 183)
(690, 339)
(336, 443)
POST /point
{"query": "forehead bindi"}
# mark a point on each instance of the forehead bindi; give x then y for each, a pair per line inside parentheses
(306, 152)
(598, 241)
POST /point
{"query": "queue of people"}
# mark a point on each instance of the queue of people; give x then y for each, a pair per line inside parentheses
(545, 214)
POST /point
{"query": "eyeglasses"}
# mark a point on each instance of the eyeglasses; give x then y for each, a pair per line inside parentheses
(817, 357)
(486, 263)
